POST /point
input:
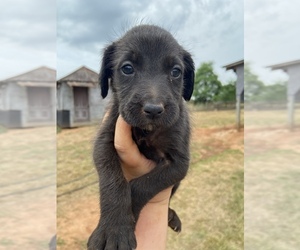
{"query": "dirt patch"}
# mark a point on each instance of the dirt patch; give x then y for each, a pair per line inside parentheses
(209, 142)
(77, 221)
(271, 188)
(27, 188)
(263, 140)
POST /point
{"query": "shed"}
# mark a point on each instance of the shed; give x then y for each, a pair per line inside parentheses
(79, 102)
(238, 68)
(28, 99)
(292, 68)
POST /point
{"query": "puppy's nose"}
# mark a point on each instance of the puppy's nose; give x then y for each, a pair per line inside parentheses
(153, 110)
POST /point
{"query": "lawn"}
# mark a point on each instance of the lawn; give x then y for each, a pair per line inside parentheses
(269, 119)
(209, 201)
(272, 201)
(27, 193)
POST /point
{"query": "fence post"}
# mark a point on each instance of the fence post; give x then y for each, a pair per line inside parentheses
(238, 112)
(291, 101)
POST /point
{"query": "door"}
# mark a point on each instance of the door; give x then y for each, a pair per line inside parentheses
(39, 104)
(81, 104)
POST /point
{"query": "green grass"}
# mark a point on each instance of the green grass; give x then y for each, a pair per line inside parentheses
(269, 118)
(74, 159)
(210, 204)
(27, 211)
(58, 129)
(6, 242)
(272, 201)
(215, 119)
(2, 129)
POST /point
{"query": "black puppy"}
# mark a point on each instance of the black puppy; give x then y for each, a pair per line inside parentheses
(150, 74)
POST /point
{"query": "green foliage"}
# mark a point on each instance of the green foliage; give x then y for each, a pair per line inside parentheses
(2, 129)
(58, 129)
(207, 84)
(208, 88)
(273, 93)
(253, 86)
(227, 93)
(257, 91)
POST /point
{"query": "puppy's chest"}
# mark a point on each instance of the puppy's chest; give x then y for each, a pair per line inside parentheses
(151, 144)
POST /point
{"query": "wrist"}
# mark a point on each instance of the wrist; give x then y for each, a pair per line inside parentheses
(152, 225)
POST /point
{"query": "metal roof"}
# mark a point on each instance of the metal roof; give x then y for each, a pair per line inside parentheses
(283, 65)
(81, 75)
(41, 75)
(234, 65)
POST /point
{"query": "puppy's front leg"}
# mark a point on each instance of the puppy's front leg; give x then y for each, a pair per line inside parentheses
(164, 175)
(116, 226)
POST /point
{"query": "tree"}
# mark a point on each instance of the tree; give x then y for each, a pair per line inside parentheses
(257, 91)
(273, 93)
(207, 84)
(253, 86)
(227, 93)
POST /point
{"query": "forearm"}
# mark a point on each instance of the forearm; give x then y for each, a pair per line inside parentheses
(152, 225)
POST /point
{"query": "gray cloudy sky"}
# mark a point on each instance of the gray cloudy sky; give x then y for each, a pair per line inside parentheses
(212, 30)
(272, 35)
(27, 35)
(67, 34)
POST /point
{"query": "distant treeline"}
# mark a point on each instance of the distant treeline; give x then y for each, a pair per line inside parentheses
(211, 92)
(257, 91)
(209, 89)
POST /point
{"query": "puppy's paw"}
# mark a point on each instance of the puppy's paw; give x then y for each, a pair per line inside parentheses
(121, 238)
(174, 221)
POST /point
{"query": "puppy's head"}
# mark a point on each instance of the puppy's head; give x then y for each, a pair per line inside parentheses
(150, 73)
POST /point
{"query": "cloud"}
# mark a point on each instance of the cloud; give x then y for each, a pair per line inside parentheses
(27, 35)
(85, 25)
(210, 30)
(76, 31)
(30, 23)
(271, 35)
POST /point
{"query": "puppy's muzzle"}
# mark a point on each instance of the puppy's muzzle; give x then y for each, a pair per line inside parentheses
(153, 111)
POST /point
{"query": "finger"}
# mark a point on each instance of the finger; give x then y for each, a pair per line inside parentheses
(127, 148)
(124, 144)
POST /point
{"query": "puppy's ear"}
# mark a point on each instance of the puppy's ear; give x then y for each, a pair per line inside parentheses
(189, 76)
(106, 71)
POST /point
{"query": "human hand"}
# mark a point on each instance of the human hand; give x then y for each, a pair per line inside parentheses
(153, 219)
(134, 164)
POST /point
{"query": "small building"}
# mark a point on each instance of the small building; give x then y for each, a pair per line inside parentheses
(292, 68)
(28, 99)
(238, 68)
(79, 102)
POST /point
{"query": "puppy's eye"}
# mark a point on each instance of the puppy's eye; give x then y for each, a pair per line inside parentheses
(176, 72)
(127, 69)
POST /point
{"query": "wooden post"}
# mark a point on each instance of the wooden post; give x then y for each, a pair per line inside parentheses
(238, 112)
(291, 104)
